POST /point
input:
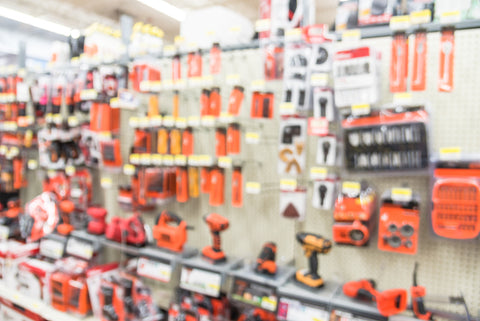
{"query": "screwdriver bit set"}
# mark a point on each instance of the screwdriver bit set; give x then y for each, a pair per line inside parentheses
(387, 140)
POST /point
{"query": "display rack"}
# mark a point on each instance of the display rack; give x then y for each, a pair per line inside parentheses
(42, 309)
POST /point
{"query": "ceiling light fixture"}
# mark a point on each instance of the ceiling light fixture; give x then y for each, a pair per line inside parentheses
(34, 21)
(166, 8)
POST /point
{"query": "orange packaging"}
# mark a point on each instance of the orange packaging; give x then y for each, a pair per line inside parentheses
(419, 71)
(237, 187)
(447, 48)
(233, 139)
(220, 142)
(399, 63)
(182, 184)
(235, 101)
(215, 106)
(205, 180)
(187, 142)
(217, 186)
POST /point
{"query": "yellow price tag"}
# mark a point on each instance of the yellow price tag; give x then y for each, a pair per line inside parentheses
(402, 194)
(128, 169)
(318, 173)
(360, 109)
(450, 153)
(253, 187)
(352, 35)
(351, 188)
(420, 17)
(288, 184)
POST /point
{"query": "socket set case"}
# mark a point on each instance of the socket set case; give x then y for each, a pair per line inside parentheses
(456, 199)
(390, 139)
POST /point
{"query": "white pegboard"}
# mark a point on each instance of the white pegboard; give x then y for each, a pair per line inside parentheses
(446, 267)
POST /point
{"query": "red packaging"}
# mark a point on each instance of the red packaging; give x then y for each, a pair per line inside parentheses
(399, 63)
(447, 48)
(419, 71)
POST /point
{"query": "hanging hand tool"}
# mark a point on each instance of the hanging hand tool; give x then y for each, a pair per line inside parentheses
(312, 244)
(216, 224)
(389, 302)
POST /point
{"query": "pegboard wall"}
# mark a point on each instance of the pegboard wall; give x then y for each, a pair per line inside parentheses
(446, 267)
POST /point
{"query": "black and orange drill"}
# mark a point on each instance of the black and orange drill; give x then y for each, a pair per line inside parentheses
(312, 244)
(389, 302)
(266, 260)
(170, 231)
(216, 223)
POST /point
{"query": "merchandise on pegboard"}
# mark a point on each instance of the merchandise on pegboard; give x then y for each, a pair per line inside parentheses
(354, 214)
(293, 202)
(346, 16)
(394, 139)
(195, 306)
(455, 198)
(328, 150)
(292, 146)
(58, 147)
(325, 192)
(356, 73)
(296, 85)
(399, 220)
(374, 12)
(262, 105)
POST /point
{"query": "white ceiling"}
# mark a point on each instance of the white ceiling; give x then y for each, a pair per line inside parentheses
(81, 13)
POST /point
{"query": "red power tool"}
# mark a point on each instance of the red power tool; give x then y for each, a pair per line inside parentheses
(266, 260)
(130, 230)
(41, 217)
(97, 224)
(168, 236)
(257, 315)
(418, 292)
(389, 302)
(217, 224)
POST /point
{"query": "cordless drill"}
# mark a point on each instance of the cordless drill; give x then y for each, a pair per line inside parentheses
(389, 302)
(312, 244)
(216, 224)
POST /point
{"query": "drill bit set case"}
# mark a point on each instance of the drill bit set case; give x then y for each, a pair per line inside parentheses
(393, 139)
(455, 212)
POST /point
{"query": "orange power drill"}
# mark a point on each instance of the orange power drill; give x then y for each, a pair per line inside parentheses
(217, 224)
(389, 302)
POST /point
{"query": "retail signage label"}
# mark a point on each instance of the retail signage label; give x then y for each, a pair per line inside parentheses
(208, 121)
(255, 294)
(168, 121)
(258, 85)
(351, 188)
(106, 182)
(201, 281)
(194, 121)
(317, 126)
(287, 109)
(156, 121)
(180, 160)
(353, 35)
(450, 17)
(360, 109)
(402, 98)
(253, 188)
(262, 25)
(225, 162)
(70, 170)
(157, 159)
(288, 184)
(181, 122)
(79, 248)
(319, 79)
(318, 173)
(4, 232)
(401, 194)
(420, 17)
(252, 138)
(154, 269)
(290, 309)
(399, 22)
(450, 153)
(52, 248)
(168, 160)
(233, 79)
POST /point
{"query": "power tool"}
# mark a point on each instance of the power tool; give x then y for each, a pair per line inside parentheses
(41, 217)
(168, 236)
(389, 302)
(216, 224)
(96, 224)
(418, 292)
(135, 230)
(312, 244)
(266, 260)
(66, 209)
(257, 315)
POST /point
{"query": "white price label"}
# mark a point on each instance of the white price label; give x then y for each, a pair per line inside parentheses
(134, 159)
(157, 159)
(201, 281)
(51, 248)
(233, 79)
(4, 232)
(450, 17)
(194, 121)
(293, 34)
(288, 184)
(225, 118)
(168, 121)
(225, 162)
(193, 160)
(420, 17)
(145, 159)
(168, 160)
(79, 248)
(154, 270)
(351, 188)
(88, 94)
(145, 85)
(319, 79)
(128, 169)
(144, 122)
(353, 35)
(360, 109)
(181, 122)
(262, 25)
(287, 109)
(32, 164)
(208, 121)
(402, 98)
(205, 160)
(258, 85)
(156, 121)
(106, 182)
(73, 121)
(134, 122)
(253, 187)
(252, 138)
(180, 160)
(401, 194)
(155, 86)
(450, 153)
(70, 170)
(399, 22)
(318, 173)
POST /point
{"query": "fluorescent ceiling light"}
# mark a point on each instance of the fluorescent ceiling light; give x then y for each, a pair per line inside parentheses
(165, 8)
(34, 21)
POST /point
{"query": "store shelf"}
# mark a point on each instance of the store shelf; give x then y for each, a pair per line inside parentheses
(38, 307)
(248, 273)
(319, 297)
(221, 268)
(351, 305)
(385, 31)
